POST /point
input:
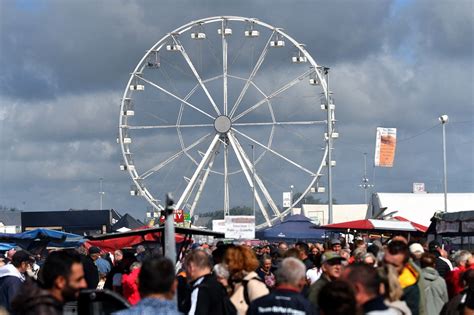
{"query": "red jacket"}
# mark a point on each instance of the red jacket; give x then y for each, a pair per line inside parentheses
(454, 281)
(130, 286)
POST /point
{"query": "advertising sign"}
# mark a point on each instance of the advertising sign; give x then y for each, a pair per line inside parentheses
(385, 144)
(240, 227)
(218, 226)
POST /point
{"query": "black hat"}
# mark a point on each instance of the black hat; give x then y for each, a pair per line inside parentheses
(94, 250)
(433, 246)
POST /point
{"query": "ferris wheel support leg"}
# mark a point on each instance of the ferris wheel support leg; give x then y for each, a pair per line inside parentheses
(232, 141)
(201, 186)
(200, 167)
(258, 180)
(224, 65)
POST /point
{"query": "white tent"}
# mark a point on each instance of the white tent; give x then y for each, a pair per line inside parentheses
(417, 207)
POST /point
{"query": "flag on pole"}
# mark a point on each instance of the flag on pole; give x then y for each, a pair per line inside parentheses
(385, 144)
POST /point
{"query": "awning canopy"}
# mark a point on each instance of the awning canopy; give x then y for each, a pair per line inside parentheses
(295, 227)
(400, 224)
(30, 240)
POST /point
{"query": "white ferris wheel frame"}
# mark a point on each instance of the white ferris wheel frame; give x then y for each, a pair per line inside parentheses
(204, 166)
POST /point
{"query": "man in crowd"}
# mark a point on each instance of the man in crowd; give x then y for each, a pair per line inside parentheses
(366, 284)
(331, 265)
(397, 254)
(443, 265)
(91, 273)
(336, 245)
(62, 278)
(287, 297)
(304, 254)
(157, 286)
(207, 295)
(12, 277)
(463, 261)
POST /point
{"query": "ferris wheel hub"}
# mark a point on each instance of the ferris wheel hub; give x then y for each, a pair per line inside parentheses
(222, 124)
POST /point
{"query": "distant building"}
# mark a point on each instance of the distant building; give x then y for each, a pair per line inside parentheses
(82, 222)
(10, 221)
(416, 207)
(318, 213)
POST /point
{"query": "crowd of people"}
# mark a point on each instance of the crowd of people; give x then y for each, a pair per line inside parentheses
(334, 277)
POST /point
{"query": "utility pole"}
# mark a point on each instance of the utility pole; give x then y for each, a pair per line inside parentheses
(444, 120)
(329, 108)
(365, 181)
(101, 192)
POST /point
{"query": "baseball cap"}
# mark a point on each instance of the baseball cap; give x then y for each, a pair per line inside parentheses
(416, 248)
(94, 250)
(331, 256)
(434, 245)
(335, 241)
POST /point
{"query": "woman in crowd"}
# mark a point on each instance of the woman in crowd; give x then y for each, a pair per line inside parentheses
(245, 282)
(265, 273)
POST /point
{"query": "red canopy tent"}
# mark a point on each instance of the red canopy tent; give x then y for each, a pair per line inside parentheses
(399, 224)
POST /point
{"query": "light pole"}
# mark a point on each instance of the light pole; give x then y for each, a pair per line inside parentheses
(365, 181)
(101, 192)
(444, 120)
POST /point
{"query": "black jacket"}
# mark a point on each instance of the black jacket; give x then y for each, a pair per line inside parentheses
(32, 300)
(210, 296)
(91, 273)
(281, 301)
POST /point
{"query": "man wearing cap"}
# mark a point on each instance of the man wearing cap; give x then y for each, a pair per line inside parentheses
(336, 245)
(416, 251)
(442, 265)
(12, 276)
(331, 265)
(91, 273)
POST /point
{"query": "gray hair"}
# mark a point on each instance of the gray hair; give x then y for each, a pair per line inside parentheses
(461, 256)
(220, 270)
(291, 271)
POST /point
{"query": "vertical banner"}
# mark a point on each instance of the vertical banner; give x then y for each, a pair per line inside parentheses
(286, 199)
(385, 144)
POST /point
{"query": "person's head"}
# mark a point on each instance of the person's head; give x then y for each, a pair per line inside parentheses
(157, 276)
(364, 280)
(359, 243)
(397, 255)
(266, 262)
(369, 259)
(292, 272)
(197, 264)
(392, 290)
(94, 253)
(315, 250)
(62, 274)
(331, 264)
(434, 246)
(358, 253)
(345, 253)
(22, 261)
(336, 245)
(462, 258)
(282, 248)
(10, 253)
(303, 249)
(337, 298)
(266, 250)
(118, 255)
(140, 249)
(428, 260)
(416, 250)
(240, 260)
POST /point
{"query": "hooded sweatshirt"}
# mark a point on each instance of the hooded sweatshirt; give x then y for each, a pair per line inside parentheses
(10, 281)
(436, 292)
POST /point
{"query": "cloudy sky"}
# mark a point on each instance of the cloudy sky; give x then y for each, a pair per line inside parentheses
(65, 64)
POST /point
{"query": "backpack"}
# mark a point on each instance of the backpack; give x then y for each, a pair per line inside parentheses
(246, 291)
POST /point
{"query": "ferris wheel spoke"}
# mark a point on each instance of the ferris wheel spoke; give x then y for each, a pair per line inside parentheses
(226, 180)
(202, 184)
(173, 157)
(275, 152)
(233, 143)
(202, 164)
(272, 95)
(282, 123)
(257, 178)
(196, 74)
(169, 126)
(255, 69)
(175, 96)
(224, 65)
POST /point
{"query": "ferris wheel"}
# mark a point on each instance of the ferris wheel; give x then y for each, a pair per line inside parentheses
(225, 112)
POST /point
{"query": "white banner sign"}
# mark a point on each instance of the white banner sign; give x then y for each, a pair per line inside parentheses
(240, 226)
(218, 226)
(286, 199)
(385, 144)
